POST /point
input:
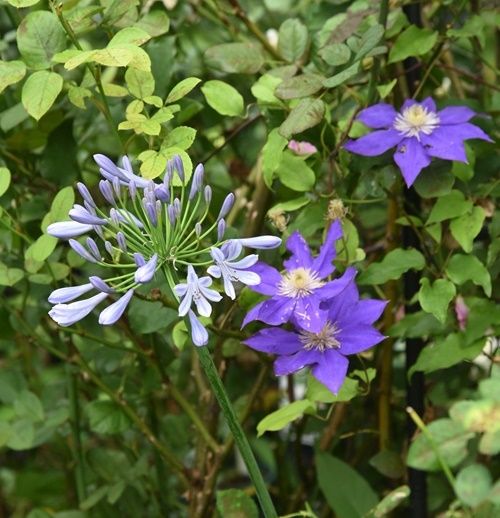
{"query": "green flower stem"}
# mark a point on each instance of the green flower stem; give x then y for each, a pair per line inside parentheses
(421, 426)
(237, 431)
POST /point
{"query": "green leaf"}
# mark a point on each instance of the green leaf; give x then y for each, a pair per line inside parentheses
(155, 23)
(392, 266)
(389, 463)
(263, 89)
(318, 393)
(285, 415)
(148, 317)
(450, 440)
(29, 406)
(140, 83)
(61, 205)
(307, 114)
(121, 55)
(289, 206)
(41, 248)
(465, 228)
(395, 498)
(335, 54)
(413, 41)
(342, 77)
(22, 435)
(22, 3)
(293, 39)
(39, 36)
(239, 58)
(40, 92)
(303, 85)
(295, 173)
(348, 494)
(449, 206)
(272, 153)
(129, 35)
(385, 90)
(181, 89)
(223, 98)
(235, 503)
(77, 96)
(11, 72)
(5, 178)
(369, 40)
(445, 353)
(10, 276)
(105, 417)
(463, 268)
(435, 180)
(490, 442)
(435, 298)
(153, 163)
(473, 484)
(181, 137)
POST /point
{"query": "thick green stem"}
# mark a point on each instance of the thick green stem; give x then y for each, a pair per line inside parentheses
(237, 431)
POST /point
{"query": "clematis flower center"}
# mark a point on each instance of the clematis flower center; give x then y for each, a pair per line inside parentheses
(322, 341)
(299, 282)
(416, 120)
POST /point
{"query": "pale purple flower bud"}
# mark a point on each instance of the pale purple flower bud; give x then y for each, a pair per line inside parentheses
(168, 175)
(100, 285)
(221, 228)
(197, 181)
(462, 312)
(67, 229)
(82, 215)
(302, 147)
(117, 187)
(81, 251)
(126, 164)
(68, 294)
(162, 193)
(132, 189)
(226, 206)
(108, 168)
(179, 167)
(67, 314)
(85, 194)
(94, 250)
(114, 311)
(171, 214)
(197, 229)
(199, 334)
(208, 194)
(139, 259)
(109, 248)
(260, 242)
(177, 207)
(122, 242)
(150, 209)
(113, 214)
(98, 231)
(107, 191)
(145, 272)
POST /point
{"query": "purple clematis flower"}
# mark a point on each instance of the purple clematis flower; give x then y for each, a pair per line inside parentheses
(420, 133)
(348, 329)
(296, 295)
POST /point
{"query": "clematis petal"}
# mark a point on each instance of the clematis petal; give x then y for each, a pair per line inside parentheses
(323, 262)
(114, 311)
(411, 158)
(331, 370)
(308, 315)
(284, 365)
(333, 288)
(275, 340)
(358, 337)
(198, 332)
(429, 103)
(301, 255)
(455, 115)
(277, 310)
(378, 116)
(375, 143)
(269, 278)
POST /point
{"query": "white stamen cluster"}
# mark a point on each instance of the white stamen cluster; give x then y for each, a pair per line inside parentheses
(299, 283)
(416, 120)
(322, 341)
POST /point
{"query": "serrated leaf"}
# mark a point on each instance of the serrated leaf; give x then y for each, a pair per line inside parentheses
(392, 266)
(413, 41)
(285, 415)
(465, 228)
(155, 23)
(223, 98)
(293, 39)
(39, 36)
(11, 72)
(239, 58)
(436, 298)
(307, 114)
(40, 92)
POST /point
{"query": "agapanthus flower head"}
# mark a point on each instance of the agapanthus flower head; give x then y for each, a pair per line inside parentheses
(147, 229)
(347, 329)
(296, 293)
(419, 131)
